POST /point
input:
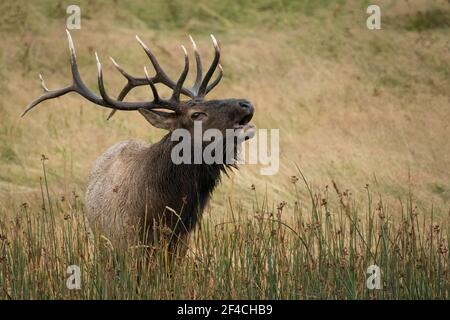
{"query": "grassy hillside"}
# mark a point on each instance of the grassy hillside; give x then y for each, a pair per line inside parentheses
(354, 106)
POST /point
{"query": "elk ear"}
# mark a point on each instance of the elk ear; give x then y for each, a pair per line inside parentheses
(160, 119)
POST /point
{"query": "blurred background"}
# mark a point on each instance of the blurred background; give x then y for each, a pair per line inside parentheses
(353, 105)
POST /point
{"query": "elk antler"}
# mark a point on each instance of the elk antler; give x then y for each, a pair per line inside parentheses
(197, 92)
(161, 76)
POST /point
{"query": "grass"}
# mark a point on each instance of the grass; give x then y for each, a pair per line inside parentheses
(319, 250)
(353, 106)
(422, 21)
(350, 103)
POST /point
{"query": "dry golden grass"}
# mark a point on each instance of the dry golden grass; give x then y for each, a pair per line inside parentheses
(353, 105)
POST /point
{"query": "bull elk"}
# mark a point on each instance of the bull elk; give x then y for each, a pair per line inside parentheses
(135, 185)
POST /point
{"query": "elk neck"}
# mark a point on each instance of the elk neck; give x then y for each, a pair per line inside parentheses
(186, 188)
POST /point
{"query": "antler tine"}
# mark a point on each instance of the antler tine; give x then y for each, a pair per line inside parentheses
(111, 114)
(203, 87)
(122, 71)
(43, 83)
(132, 82)
(152, 86)
(125, 89)
(121, 105)
(179, 85)
(51, 94)
(198, 78)
(79, 87)
(199, 90)
(161, 76)
(216, 81)
(101, 85)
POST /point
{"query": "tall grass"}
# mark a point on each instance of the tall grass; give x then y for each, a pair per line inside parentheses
(315, 250)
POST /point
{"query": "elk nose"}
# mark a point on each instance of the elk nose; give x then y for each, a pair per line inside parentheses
(246, 105)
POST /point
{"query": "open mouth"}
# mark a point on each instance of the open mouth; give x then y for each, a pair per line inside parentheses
(246, 119)
(244, 122)
(245, 127)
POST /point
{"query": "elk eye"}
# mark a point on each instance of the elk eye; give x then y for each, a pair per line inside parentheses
(198, 115)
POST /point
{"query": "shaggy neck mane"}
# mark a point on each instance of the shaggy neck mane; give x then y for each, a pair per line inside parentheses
(185, 188)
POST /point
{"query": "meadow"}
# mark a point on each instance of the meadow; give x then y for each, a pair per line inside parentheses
(364, 173)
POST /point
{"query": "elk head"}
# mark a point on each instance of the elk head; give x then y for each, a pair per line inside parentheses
(168, 114)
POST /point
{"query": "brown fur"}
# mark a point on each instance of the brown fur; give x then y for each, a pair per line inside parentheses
(135, 187)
